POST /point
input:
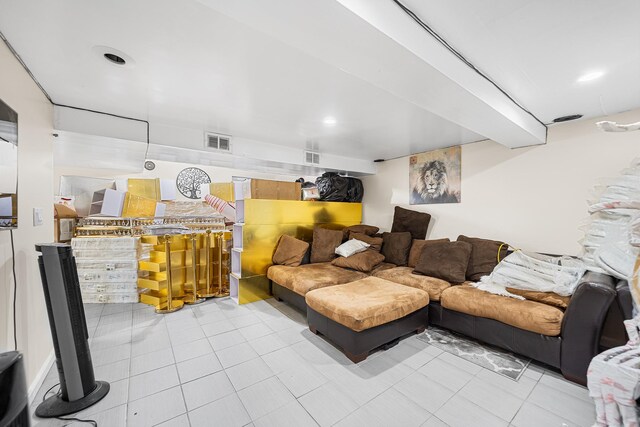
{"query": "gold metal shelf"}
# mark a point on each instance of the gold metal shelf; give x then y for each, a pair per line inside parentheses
(173, 278)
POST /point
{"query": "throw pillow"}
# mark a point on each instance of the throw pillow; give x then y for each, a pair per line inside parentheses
(363, 261)
(351, 247)
(369, 230)
(395, 247)
(447, 261)
(416, 249)
(290, 251)
(375, 243)
(484, 256)
(325, 242)
(414, 222)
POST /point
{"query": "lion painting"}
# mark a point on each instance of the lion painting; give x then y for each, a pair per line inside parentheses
(431, 180)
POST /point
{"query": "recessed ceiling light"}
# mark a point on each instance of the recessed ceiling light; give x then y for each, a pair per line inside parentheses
(329, 121)
(115, 58)
(590, 76)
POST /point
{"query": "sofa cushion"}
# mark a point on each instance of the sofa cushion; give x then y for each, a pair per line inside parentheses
(416, 249)
(366, 303)
(369, 230)
(549, 298)
(484, 256)
(325, 242)
(414, 222)
(290, 251)
(446, 260)
(405, 276)
(375, 243)
(395, 247)
(306, 277)
(528, 315)
(381, 267)
(363, 261)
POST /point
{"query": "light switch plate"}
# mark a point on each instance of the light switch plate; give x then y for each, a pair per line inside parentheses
(37, 217)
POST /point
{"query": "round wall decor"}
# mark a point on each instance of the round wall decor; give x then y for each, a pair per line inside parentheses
(189, 181)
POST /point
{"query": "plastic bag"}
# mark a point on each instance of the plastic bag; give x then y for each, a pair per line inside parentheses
(332, 187)
(310, 193)
(355, 192)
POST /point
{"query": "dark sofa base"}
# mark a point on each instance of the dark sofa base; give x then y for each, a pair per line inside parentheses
(357, 345)
(539, 347)
(287, 295)
(580, 341)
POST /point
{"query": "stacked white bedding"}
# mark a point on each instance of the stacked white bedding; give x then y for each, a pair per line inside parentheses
(534, 272)
(612, 235)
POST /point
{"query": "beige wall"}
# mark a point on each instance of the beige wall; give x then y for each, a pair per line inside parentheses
(170, 170)
(35, 185)
(533, 198)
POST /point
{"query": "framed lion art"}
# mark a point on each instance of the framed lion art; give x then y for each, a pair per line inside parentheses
(435, 176)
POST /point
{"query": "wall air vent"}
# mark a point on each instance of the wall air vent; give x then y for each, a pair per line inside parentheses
(311, 158)
(217, 142)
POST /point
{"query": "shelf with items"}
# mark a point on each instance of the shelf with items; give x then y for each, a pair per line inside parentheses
(107, 268)
(106, 227)
(173, 274)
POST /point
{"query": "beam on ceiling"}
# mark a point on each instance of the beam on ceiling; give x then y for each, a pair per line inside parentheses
(376, 41)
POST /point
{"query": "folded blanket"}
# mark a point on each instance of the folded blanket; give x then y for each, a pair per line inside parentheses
(617, 260)
(533, 272)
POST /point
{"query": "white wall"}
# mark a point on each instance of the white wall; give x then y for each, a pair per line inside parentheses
(35, 185)
(170, 170)
(532, 198)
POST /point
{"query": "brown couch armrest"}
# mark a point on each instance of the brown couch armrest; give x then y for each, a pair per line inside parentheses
(582, 324)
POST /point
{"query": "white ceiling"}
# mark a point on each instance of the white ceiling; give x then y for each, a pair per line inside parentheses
(202, 65)
(537, 49)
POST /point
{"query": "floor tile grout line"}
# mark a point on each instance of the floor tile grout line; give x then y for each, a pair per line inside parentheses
(227, 313)
(565, 394)
(551, 412)
(184, 400)
(526, 399)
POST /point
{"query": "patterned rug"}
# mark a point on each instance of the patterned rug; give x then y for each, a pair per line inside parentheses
(496, 360)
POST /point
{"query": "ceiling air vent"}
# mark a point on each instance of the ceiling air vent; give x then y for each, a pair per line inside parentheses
(214, 141)
(311, 158)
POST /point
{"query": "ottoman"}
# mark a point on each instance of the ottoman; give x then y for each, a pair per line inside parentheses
(366, 314)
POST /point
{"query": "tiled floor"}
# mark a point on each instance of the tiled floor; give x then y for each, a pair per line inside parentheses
(220, 364)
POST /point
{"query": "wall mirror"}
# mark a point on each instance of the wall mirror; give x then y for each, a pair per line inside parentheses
(8, 167)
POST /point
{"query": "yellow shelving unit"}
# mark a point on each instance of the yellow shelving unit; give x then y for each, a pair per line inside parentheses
(172, 275)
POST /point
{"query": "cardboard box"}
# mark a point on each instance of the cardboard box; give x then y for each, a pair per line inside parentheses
(157, 189)
(138, 207)
(272, 190)
(107, 202)
(64, 222)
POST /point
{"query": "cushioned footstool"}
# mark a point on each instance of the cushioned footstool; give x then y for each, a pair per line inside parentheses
(366, 314)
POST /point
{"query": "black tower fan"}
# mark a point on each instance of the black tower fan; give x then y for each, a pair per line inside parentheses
(78, 387)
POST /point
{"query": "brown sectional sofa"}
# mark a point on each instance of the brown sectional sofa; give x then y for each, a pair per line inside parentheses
(561, 332)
